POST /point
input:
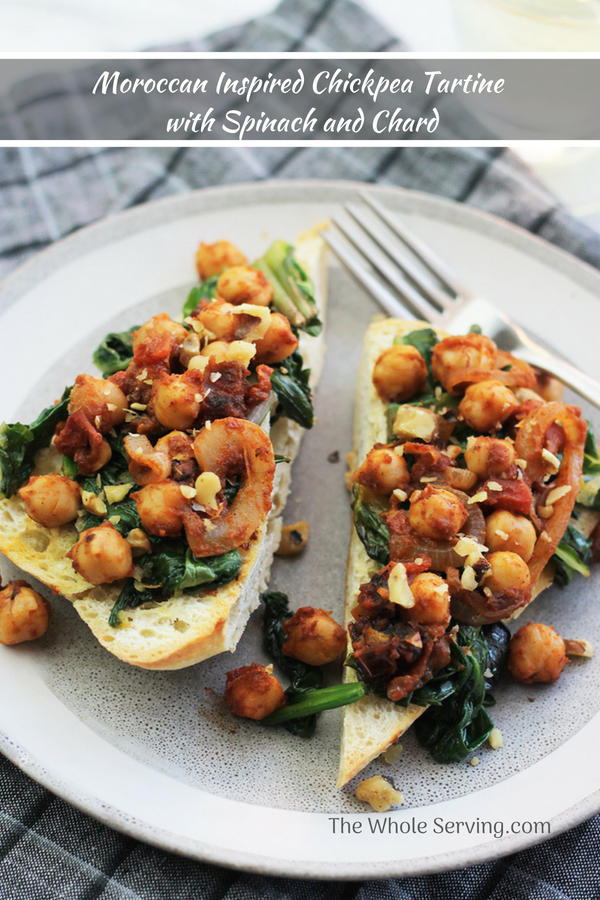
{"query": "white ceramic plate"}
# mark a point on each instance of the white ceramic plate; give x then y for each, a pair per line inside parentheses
(154, 754)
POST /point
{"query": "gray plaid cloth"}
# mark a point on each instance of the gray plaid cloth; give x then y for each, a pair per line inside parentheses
(50, 850)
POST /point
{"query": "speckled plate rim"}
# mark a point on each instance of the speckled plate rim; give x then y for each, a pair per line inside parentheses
(113, 229)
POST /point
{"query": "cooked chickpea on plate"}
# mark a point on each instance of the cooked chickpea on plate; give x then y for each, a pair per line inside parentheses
(149, 493)
(471, 491)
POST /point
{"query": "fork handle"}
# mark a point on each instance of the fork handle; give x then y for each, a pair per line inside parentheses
(576, 379)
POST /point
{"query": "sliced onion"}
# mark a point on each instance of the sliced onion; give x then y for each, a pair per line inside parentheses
(146, 464)
(259, 413)
(473, 608)
(529, 445)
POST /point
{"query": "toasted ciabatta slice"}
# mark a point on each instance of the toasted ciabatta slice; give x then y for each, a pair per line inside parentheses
(187, 628)
(372, 724)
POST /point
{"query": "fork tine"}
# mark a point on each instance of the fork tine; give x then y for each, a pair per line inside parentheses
(390, 244)
(388, 301)
(436, 266)
(379, 261)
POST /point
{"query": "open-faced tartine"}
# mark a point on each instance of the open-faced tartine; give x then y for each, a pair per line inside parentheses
(172, 477)
(466, 467)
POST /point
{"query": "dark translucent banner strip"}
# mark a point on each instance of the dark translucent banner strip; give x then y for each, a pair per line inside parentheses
(248, 99)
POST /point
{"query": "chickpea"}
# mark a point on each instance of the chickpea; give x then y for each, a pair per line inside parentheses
(436, 514)
(176, 444)
(313, 637)
(217, 349)
(156, 327)
(508, 572)
(487, 404)
(278, 343)
(524, 395)
(243, 284)
(432, 600)
(212, 259)
(146, 463)
(24, 614)
(102, 402)
(220, 319)
(486, 456)
(551, 389)
(459, 354)
(101, 555)
(399, 373)
(536, 653)
(252, 692)
(505, 531)
(177, 399)
(51, 500)
(382, 471)
(161, 508)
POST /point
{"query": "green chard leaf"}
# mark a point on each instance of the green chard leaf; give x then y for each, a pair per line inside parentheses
(211, 571)
(115, 352)
(204, 291)
(591, 460)
(69, 468)
(293, 390)
(293, 290)
(572, 556)
(129, 598)
(304, 678)
(459, 723)
(124, 516)
(370, 527)
(589, 490)
(19, 444)
(172, 567)
(304, 707)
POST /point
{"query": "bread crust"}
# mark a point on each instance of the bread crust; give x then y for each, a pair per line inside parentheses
(370, 726)
(187, 628)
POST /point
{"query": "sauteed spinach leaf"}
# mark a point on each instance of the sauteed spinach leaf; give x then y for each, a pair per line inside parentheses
(456, 722)
(589, 491)
(19, 444)
(172, 567)
(572, 556)
(303, 677)
(204, 291)
(370, 527)
(122, 515)
(115, 352)
(293, 390)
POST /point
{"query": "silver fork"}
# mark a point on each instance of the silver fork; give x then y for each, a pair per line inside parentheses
(378, 244)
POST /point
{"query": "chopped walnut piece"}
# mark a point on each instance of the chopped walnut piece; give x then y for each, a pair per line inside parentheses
(379, 793)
